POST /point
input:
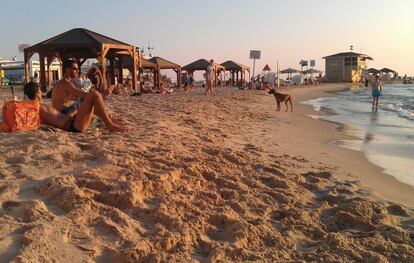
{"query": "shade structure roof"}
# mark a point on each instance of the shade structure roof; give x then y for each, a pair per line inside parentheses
(79, 39)
(373, 71)
(387, 70)
(201, 64)
(311, 71)
(231, 65)
(349, 55)
(145, 64)
(266, 68)
(289, 71)
(163, 63)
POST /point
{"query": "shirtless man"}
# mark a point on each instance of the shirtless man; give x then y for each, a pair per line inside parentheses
(376, 92)
(48, 114)
(68, 99)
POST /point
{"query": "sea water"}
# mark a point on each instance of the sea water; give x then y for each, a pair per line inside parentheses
(386, 137)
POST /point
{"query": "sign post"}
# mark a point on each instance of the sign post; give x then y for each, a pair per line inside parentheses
(303, 63)
(277, 74)
(312, 63)
(254, 54)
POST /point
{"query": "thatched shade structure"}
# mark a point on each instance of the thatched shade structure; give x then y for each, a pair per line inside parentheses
(387, 70)
(311, 71)
(202, 64)
(289, 71)
(165, 64)
(235, 69)
(373, 71)
(82, 44)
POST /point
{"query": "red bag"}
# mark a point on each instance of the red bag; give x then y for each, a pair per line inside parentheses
(20, 116)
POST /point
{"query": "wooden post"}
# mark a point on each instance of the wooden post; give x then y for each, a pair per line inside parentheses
(237, 78)
(179, 78)
(26, 67)
(112, 61)
(101, 55)
(134, 69)
(120, 70)
(158, 76)
(42, 71)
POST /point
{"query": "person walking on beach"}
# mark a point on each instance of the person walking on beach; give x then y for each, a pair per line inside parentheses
(210, 77)
(376, 92)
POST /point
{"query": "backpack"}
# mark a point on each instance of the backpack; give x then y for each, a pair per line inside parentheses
(20, 116)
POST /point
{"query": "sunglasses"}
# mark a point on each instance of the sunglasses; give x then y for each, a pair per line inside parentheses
(73, 68)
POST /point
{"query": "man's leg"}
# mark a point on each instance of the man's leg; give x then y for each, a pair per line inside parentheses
(373, 103)
(208, 87)
(93, 104)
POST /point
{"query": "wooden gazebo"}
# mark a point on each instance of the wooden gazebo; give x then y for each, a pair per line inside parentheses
(165, 64)
(144, 65)
(235, 69)
(387, 70)
(202, 64)
(82, 44)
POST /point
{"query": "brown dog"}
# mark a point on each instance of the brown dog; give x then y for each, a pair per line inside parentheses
(282, 98)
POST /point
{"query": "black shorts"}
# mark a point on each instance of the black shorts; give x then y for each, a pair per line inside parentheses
(72, 127)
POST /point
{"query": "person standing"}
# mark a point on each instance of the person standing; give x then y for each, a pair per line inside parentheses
(35, 78)
(376, 92)
(210, 77)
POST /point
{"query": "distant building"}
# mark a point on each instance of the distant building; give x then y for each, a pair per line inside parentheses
(14, 70)
(345, 67)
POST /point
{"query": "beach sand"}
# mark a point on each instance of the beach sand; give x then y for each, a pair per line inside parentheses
(222, 178)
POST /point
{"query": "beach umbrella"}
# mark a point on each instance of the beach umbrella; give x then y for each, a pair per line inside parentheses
(289, 71)
(311, 71)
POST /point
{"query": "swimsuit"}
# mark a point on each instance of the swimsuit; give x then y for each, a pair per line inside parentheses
(74, 107)
(376, 93)
(72, 127)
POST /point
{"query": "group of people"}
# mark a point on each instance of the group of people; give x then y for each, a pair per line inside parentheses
(72, 107)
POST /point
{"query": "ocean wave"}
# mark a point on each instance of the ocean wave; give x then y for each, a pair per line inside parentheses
(400, 110)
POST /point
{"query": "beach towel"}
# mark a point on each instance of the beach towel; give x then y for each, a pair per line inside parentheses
(20, 116)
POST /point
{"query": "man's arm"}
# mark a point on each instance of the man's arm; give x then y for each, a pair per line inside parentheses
(74, 91)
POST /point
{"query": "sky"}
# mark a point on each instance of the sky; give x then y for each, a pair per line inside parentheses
(183, 31)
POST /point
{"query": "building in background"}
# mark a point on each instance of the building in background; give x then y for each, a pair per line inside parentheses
(345, 67)
(13, 70)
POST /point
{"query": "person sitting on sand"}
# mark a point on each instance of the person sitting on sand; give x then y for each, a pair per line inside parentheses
(165, 89)
(76, 121)
(146, 88)
(189, 83)
(86, 103)
(48, 115)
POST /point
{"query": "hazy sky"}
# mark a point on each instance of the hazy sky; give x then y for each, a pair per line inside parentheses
(185, 30)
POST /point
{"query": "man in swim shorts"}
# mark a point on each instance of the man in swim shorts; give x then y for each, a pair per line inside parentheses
(376, 92)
